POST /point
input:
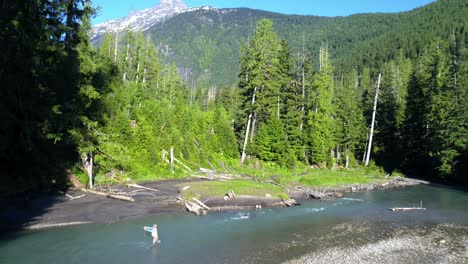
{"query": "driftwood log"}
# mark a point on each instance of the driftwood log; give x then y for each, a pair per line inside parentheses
(231, 194)
(110, 195)
(76, 197)
(142, 187)
(290, 202)
(201, 203)
(324, 195)
(287, 202)
(414, 208)
(396, 209)
(194, 208)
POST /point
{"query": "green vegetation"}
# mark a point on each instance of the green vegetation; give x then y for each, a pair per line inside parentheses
(328, 178)
(240, 187)
(259, 186)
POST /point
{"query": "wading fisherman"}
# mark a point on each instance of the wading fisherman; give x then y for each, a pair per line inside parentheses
(154, 233)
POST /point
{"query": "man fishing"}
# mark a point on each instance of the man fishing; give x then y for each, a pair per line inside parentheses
(154, 233)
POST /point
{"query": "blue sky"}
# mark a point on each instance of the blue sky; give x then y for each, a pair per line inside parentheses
(111, 9)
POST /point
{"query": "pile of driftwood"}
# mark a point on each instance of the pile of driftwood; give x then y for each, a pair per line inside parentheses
(118, 192)
(287, 203)
(322, 194)
(230, 195)
(195, 206)
(123, 194)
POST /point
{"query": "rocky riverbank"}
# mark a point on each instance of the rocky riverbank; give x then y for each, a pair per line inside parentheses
(442, 243)
(61, 209)
(300, 192)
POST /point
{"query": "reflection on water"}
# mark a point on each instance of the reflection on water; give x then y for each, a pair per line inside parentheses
(269, 235)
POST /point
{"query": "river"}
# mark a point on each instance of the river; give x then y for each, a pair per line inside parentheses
(358, 228)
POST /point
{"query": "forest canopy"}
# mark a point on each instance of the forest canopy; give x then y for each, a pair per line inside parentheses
(119, 110)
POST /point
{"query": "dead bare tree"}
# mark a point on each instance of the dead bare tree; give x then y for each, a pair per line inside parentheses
(369, 147)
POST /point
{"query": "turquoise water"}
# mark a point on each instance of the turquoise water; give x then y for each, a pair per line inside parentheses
(261, 236)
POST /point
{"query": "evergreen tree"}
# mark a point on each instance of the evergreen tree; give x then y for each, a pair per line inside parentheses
(260, 78)
(350, 126)
(388, 144)
(320, 111)
(290, 104)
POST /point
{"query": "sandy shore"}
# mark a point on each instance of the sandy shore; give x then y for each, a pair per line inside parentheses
(59, 209)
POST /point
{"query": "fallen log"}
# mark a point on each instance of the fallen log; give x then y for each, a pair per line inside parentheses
(74, 198)
(207, 171)
(194, 208)
(231, 194)
(110, 195)
(420, 207)
(290, 202)
(142, 187)
(324, 195)
(396, 209)
(201, 203)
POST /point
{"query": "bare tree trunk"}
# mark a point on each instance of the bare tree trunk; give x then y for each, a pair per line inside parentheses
(126, 62)
(365, 149)
(138, 67)
(369, 147)
(246, 139)
(338, 154)
(87, 162)
(116, 46)
(278, 107)
(254, 125)
(243, 156)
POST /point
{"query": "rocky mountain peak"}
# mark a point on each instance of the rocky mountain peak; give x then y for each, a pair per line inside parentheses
(141, 20)
(172, 2)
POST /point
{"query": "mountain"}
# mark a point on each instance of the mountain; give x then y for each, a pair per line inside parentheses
(141, 20)
(206, 42)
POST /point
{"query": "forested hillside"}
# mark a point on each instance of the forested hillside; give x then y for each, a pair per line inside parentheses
(207, 42)
(304, 93)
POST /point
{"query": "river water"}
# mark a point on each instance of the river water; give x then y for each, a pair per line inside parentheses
(358, 228)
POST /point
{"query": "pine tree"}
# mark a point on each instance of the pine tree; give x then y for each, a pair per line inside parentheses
(392, 106)
(85, 130)
(290, 105)
(350, 127)
(260, 79)
(320, 119)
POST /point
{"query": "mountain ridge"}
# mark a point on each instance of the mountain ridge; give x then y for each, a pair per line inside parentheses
(206, 41)
(141, 20)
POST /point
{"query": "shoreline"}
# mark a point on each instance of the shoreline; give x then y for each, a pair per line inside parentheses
(58, 210)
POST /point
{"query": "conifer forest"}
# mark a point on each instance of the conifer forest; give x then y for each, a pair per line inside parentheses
(118, 108)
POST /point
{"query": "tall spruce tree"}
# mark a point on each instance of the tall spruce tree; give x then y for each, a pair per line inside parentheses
(260, 79)
(320, 114)
(350, 126)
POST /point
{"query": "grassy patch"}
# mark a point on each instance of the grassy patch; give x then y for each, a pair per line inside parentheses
(326, 177)
(240, 187)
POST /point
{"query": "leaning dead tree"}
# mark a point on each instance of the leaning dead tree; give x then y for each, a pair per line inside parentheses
(369, 146)
(249, 122)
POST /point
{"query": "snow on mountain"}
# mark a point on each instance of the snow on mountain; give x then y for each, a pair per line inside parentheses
(143, 19)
